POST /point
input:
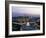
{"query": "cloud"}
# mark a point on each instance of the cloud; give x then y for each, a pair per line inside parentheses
(16, 10)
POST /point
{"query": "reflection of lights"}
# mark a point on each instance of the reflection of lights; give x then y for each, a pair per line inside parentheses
(28, 24)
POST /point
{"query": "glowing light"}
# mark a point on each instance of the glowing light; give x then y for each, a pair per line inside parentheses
(28, 24)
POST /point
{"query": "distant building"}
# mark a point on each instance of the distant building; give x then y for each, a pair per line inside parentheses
(22, 19)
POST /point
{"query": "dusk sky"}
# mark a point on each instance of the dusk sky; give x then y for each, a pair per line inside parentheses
(21, 11)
